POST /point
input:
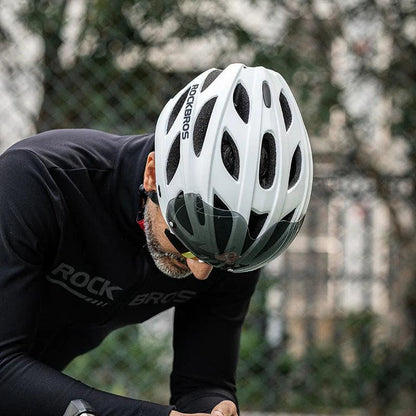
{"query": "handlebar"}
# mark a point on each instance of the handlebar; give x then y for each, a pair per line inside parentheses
(78, 408)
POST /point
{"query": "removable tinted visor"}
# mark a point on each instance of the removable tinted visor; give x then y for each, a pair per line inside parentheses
(222, 237)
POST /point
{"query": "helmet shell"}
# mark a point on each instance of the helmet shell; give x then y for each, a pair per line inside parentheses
(234, 140)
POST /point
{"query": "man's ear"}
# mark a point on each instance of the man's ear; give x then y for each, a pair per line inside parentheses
(149, 178)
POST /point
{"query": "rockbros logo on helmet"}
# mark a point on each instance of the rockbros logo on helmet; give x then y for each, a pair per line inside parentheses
(188, 111)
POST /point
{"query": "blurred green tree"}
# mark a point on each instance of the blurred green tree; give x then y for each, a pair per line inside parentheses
(109, 80)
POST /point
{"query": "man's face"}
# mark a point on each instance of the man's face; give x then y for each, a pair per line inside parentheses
(167, 259)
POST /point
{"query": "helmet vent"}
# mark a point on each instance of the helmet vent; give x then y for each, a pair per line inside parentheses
(267, 168)
(255, 225)
(287, 114)
(222, 228)
(173, 159)
(211, 77)
(289, 216)
(176, 109)
(201, 125)
(241, 102)
(266, 95)
(219, 203)
(278, 232)
(182, 213)
(199, 208)
(295, 167)
(229, 154)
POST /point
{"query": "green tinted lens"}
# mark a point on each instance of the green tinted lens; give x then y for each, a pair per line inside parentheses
(221, 237)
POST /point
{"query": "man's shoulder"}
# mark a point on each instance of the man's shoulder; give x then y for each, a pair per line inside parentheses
(72, 148)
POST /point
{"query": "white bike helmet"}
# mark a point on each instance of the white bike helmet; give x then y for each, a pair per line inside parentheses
(233, 166)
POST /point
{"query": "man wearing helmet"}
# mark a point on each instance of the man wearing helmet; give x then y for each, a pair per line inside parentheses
(99, 231)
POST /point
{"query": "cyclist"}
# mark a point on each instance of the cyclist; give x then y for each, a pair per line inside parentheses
(99, 231)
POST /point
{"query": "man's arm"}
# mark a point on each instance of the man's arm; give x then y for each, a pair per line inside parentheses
(29, 233)
(206, 344)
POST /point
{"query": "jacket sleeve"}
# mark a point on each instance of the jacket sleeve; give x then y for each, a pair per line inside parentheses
(29, 230)
(206, 343)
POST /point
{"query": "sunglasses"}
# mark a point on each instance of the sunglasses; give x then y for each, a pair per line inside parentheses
(171, 237)
(178, 245)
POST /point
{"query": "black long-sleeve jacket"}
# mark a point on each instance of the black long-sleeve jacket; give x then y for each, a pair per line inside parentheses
(74, 266)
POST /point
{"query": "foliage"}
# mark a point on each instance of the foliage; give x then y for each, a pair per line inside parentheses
(380, 378)
(126, 358)
(126, 90)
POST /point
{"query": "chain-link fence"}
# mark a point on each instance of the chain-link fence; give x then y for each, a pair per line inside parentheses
(332, 323)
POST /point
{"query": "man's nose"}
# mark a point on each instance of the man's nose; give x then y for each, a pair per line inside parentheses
(199, 269)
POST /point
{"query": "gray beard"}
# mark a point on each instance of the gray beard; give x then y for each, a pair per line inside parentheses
(161, 257)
